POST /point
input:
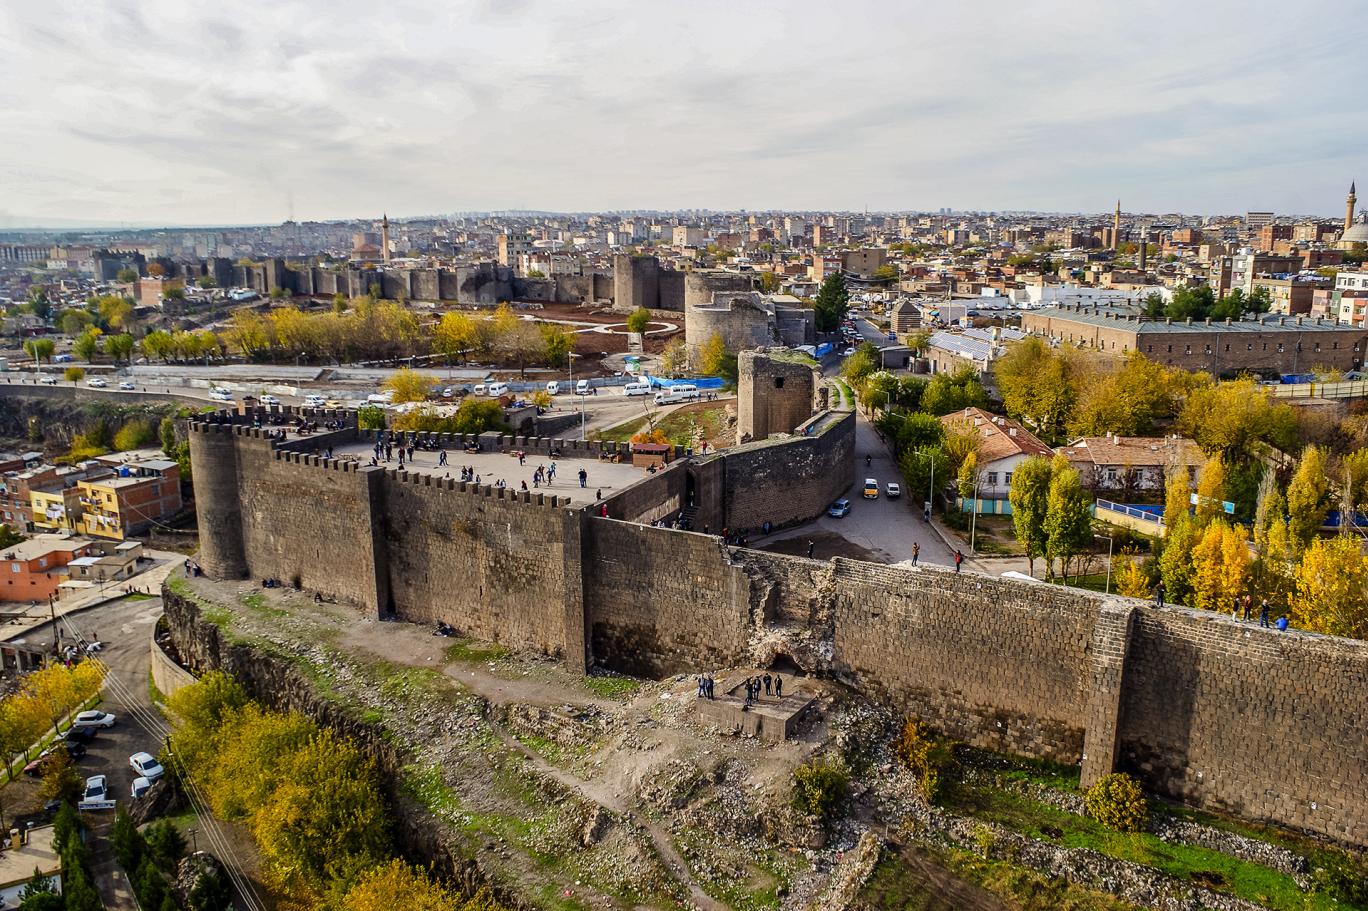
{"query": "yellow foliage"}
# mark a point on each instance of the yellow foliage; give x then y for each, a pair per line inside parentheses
(1332, 589)
(654, 435)
(1220, 567)
(409, 385)
(1211, 490)
(396, 885)
(1130, 578)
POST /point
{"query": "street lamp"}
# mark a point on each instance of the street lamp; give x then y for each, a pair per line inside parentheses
(1110, 542)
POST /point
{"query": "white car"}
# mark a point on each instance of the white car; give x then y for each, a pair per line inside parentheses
(94, 719)
(140, 787)
(220, 395)
(268, 399)
(96, 794)
(146, 765)
(848, 352)
(126, 386)
(49, 381)
(313, 401)
(893, 489)
(96, 382)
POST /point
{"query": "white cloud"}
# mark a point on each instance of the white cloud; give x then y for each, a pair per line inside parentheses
(189, 111)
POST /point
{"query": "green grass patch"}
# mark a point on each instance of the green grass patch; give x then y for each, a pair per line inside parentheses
(258, 605)
(612, 687)
(931, 879)
(138, 596)
(467, 652)
(1184, 863)
(545, 747)
(620, 433)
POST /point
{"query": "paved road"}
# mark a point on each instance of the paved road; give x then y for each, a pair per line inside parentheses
(885, 527)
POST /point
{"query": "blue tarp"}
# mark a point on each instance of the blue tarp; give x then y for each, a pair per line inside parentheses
(702, 382)
(825, 348)
(1294, 379)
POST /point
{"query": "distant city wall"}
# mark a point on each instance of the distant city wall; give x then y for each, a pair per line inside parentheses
(1223, 714)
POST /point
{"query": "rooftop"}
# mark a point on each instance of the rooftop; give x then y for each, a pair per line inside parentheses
(42, 545)
(1134, 451)
(16, 867)
(1002, 437)
(1125, 318)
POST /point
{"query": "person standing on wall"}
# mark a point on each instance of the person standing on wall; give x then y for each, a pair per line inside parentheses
(916, 552)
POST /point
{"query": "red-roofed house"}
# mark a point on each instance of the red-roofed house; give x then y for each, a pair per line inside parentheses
(1004, 445)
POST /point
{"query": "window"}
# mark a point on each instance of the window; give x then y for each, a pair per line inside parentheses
(1187, 349)
(1149, 349)
(1170, 350)
(14, 567)
(1007, 479)
(992, 478)
(1317, 346)
(1249, 347)
(1280, 347)
(1208, 349)
(42, 562)
(1227, 348)
(778, 382)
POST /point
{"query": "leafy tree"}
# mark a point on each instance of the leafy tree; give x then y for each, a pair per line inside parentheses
(40, 349)
(128, 843)
(557, 343)
(833, 299)
(1068, 521)
(1308, 497)
(924, 468)
(73, 374)
(73, 321)
(127, 275)
(1037, 385)
(1355, 472)
(886, 274)
(397, 885)
(87, 344)
(1029, 495)
(949, 392)
(61, 781)
(115, 311)
(674, 358)
(1332, 588)
(860, 365)
(156, 270)
(455, 334)
(206, 282)
(409, 385)
(1130, 577)
(212, 892)
(9, 537)
(1211, 491)
(918, 340)
(370, 417)
(968, 476)
(1175, 563)
(769, 282)
(166, 844)
(714, 359)
(1229, 418)
(919, 429)
(277, 293)
(119, 347)
(1128, 401)
(819, 787)
(1220, 566)
(38, 895)
(638, 320)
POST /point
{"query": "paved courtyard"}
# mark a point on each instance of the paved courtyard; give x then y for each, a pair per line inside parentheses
(604, 478)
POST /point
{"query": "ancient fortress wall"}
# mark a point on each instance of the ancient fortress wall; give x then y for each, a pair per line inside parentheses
(1266, 724)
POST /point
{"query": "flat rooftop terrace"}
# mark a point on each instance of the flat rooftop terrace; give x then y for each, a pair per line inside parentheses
(603, 477)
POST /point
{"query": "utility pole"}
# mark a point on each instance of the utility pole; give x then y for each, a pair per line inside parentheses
(1110, 541)
(56, 631)
(973, 515)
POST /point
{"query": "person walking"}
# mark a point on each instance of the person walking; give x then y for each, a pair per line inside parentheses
(811, 546)
(583, 478)
(1159, 594)
(1263, 613)
(916, 552)
(959, 558)
(1248, 607)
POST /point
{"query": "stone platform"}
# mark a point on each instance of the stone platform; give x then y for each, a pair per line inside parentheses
(767, 719)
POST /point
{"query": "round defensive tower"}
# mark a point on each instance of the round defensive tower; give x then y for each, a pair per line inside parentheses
(213, 452)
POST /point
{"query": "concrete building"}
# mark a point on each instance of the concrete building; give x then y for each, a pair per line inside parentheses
(1269, 345)
(948, 351)
(36, 567)
(136, 495)
(776, 392)
(687, 236)
(511, 247)
(1291, 295)
(862, 263)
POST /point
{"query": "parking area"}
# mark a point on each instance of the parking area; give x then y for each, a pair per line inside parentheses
(602, 478)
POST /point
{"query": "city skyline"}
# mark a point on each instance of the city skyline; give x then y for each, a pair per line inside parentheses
(175, 114)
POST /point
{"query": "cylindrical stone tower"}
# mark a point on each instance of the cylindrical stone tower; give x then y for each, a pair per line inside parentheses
(213, 453)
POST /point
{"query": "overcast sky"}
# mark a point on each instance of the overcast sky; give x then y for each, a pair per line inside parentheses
(193, 112)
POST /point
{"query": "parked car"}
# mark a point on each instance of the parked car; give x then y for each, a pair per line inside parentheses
(848, 352)
(126, 386)
(448, 393)
(840, 509)
(893, 489)
(96, 796)
(313, 400)
(267, 399)
(220, 395)
(140, 787)
(553, 387)
(146, 765)
(871, 489)
(96, 382)
(78, 735)
(49, 381)
(94, 719)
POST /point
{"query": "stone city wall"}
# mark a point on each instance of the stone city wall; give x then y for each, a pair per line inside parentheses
(1228, 715)
(784, 481)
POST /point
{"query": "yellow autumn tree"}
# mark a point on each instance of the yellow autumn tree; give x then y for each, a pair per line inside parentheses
(1211, 490)
(1130, 576)
(397, 885)
(1332, 589)
(1220, 567)
(409, 385)
(1176, 496)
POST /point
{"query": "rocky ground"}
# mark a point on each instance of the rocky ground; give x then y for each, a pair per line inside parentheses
(606, 792)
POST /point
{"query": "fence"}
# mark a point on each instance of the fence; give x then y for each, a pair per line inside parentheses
(1134, 518)
(1349, 389)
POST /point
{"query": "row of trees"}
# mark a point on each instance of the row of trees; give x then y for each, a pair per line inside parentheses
(311, 799)
(1051, 512)
(1202, 303)
(44, 698)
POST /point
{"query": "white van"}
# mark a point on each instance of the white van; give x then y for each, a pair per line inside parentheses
(639, 388)
(582, 387)
(553, 387)
(480, 389)
(686, 389)
(498, 389)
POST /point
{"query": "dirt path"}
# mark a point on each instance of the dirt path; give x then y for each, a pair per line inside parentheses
(610, 799)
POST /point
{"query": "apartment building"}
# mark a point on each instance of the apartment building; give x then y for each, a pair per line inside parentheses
(35, 568)
(127, 502)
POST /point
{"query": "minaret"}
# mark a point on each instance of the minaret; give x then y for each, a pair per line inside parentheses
(1349, 210)
(1143, 249)
(1116, 227)
(384, 238)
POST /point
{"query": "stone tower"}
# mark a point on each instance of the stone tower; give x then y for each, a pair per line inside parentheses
(1349, 208)
(384, 238)
(1142, 250)
(776, 389)
(1116, 227)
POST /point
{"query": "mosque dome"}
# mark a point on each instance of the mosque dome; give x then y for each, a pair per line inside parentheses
(1357, 234)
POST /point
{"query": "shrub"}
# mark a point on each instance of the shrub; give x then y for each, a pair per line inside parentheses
(819, 787)
(1118, 803)
(136, 434)
(73, 374)
(1342, 878)
(927, 755)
